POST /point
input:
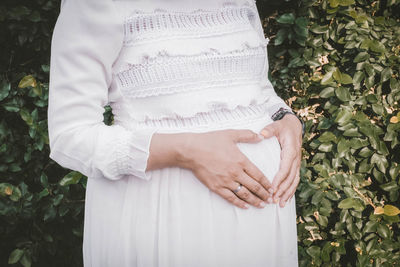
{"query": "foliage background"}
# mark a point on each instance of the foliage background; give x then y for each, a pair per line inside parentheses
(336, 62)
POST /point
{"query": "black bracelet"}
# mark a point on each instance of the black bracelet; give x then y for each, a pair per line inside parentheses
(281, 112)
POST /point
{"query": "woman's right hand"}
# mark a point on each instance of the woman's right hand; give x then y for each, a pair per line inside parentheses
(217, 162)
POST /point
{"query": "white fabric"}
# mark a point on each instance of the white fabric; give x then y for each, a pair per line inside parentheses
(158, 62)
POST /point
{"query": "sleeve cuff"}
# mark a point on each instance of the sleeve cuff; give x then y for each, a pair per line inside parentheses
(132, 153)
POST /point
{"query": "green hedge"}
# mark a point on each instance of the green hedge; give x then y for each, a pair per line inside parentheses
(336, 62)
(341, 72)
(41, 213)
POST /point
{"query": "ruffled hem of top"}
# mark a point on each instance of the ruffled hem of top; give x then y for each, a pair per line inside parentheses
(223, 44)
(128, 113)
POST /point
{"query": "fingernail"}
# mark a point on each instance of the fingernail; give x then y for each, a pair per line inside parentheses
(270, 200)
(262, 204)
(283, 204)
(260, 136)
(246, 206)
(276, 200)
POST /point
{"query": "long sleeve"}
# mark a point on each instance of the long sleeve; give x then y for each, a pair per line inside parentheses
(86, 41)
(275, 102)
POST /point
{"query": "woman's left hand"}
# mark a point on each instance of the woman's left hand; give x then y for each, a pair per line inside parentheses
(288, 131)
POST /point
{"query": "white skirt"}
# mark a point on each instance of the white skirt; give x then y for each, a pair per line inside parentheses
(173, 220)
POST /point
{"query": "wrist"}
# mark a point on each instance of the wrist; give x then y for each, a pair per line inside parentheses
(182, 150)
(168, 150)
(283, 113)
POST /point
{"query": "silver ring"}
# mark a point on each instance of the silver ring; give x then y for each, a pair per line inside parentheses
(237, 189)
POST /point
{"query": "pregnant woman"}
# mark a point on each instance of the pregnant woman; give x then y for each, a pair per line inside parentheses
(184, 176)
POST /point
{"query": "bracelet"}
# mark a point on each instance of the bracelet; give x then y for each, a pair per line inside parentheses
(281, 112)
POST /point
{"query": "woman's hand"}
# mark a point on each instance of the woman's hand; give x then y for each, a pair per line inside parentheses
(218, 163)
(288, 131)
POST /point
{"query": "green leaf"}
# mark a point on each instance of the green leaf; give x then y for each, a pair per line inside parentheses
(16, 195)
(26, 116)
(15, 256)
(327, 78)
(362, 56)
(390, 210)
(57, 199)
(383, 230)
(391, 186)
(380, 161)
(358, 77)
(317, 41)
(343, 116)
(346, 2)
(365, 152)
(319, 29)
(325, 147)
(314, 251)
(322, 220)
(326, 250)
(43, 180)
(11, 106)
(28, 80)
(334, 3)
(349, 203)
(337, 74)
(386, 74)
(43, 193)
(287, 18)
(71, 178)
(26, 261)
(302, 22)
(50, 213)
(281, 36)
(378, 109)
(45, 68)
(376, 46)
(327, 92)
(394, 84)
(327, 137)
(301, 26)
(371, 226)
(4, 89)
(343, 147)
(343, 93)
(346, 79)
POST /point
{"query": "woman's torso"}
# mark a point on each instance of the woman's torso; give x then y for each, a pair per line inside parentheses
(181, 57)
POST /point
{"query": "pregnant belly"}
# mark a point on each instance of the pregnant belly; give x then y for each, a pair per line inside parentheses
(174, 216)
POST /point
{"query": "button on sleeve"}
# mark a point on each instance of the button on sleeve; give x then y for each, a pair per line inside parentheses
(86, 41)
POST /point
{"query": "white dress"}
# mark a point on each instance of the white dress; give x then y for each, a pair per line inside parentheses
(164, 67)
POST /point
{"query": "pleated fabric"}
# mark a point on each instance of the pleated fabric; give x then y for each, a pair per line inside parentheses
(173, 220)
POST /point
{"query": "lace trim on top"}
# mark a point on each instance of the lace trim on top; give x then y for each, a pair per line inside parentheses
(220, 117)
(166, 74)
(163, 24)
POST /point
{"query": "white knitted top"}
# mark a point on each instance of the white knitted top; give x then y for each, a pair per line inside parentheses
(149, 60)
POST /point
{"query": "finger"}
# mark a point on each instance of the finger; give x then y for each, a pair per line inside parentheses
(254, 172)
(288, 155)
(298, 178)
(249, 197)
(287, 182)
(232, 198)
(292, 189)
(245, 136)
(256, 189)
(269, 130)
